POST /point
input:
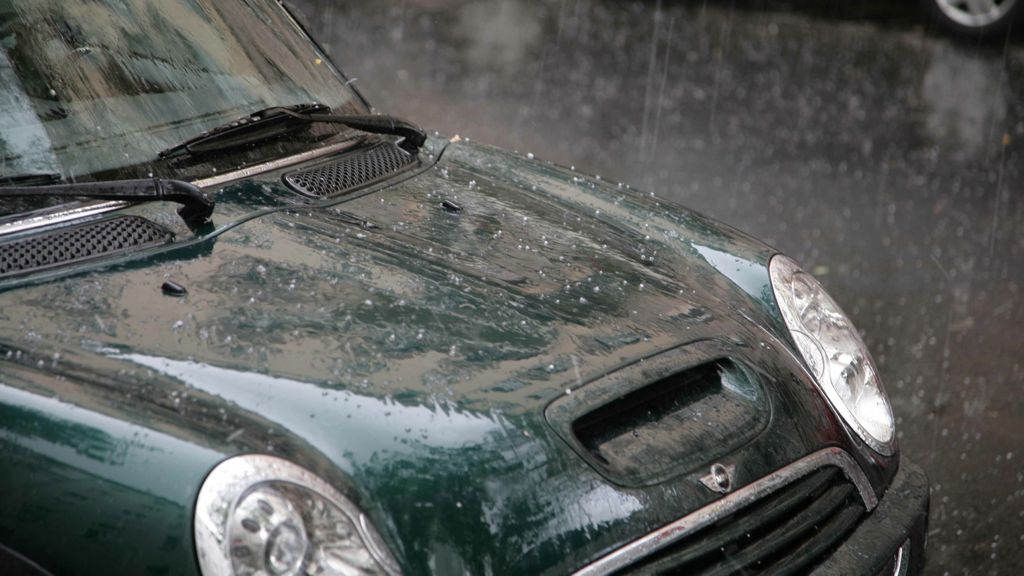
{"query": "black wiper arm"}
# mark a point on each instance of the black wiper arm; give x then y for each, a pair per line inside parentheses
(272, 122)
(197, 206)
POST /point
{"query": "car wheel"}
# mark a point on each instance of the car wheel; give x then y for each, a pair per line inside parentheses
(979, 18)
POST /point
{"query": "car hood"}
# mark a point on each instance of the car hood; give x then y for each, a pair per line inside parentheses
(404, 342)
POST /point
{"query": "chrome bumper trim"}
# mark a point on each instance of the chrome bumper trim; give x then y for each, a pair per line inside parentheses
(742, 497)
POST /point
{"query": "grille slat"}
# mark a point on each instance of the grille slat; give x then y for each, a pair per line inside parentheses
(787, 532)
(813, 549)
(79, 243)
(768, 512)
(354, 170)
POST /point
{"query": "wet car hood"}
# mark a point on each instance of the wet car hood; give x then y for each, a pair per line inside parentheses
(407, 351)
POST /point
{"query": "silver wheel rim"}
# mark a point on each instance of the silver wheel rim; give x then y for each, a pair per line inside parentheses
(975, 13)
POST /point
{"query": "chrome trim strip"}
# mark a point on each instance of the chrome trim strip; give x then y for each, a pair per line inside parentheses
(711, 513)
(63, 213)
(273, 164)
(902, 561)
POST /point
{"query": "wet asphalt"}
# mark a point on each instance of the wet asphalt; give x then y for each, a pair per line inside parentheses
(882, 154)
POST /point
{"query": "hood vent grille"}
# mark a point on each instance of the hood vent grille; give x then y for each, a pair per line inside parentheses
(653, 420)
(79, 244)
(354, 170)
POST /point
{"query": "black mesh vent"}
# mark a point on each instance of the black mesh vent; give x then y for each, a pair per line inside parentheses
(787, 532)
(79, 243)
(355, 169)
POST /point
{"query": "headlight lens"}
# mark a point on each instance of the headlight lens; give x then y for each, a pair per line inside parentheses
(834, 353)
(263, 516)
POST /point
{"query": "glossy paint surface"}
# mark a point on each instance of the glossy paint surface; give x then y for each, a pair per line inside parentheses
(404, 352)
(883, 155)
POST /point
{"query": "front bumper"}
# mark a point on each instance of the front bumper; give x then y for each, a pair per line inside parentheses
(900, 517)
(802, 515)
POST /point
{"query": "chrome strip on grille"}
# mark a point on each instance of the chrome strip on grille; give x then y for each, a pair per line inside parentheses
(718, 509)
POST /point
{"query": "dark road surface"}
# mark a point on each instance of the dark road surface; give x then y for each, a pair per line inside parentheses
(885, 157)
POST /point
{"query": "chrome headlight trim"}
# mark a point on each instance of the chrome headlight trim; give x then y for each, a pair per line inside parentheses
(868, 412)
(235, 478)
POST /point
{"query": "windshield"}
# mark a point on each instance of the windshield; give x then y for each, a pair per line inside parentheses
(103, 86)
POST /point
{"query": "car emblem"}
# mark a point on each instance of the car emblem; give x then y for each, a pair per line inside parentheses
(719, 479)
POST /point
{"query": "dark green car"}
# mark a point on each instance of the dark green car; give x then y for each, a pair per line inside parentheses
(249, 328)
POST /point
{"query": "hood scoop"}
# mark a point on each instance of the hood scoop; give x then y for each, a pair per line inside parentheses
(79, 243)
(664, 416)
(354, 170)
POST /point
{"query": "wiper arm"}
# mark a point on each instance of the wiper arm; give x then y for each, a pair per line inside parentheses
(196, 210)
(271, 122)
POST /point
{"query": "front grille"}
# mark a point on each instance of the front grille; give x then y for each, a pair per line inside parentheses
(79, 243)
(354, 170)
(787, 532)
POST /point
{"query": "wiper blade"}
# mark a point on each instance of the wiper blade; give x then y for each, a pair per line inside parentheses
(413, 137)
(272, 122)
(256, 127)
(38, 179)
(196, 208)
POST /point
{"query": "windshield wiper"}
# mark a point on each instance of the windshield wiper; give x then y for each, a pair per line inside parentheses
(272, 122)
(196, 210)
(37, 179)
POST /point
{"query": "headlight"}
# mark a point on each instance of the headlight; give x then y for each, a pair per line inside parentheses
(264, 516)
(834, 354)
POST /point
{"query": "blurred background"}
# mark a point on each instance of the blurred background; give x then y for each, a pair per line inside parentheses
(882, 153)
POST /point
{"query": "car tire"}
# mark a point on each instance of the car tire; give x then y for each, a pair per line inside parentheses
(959, 17)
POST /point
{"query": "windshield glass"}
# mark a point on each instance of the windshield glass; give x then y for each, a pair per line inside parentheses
(103, 86)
